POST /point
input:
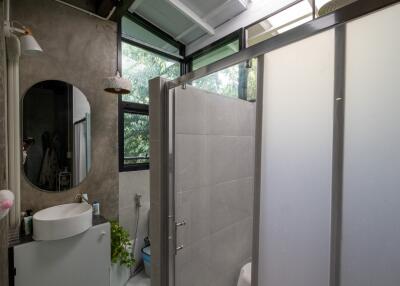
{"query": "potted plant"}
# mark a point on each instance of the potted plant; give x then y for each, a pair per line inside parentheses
(121, 255)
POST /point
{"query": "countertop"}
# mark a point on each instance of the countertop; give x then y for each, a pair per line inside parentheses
(97, 219)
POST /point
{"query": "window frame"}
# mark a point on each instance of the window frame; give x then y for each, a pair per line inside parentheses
(132, 108)
(236, 35)
(139, 108)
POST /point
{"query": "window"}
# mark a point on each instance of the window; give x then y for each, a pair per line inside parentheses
(139, 66)
(140, 63)
(216, 54)
(283, 21)
(236, 81)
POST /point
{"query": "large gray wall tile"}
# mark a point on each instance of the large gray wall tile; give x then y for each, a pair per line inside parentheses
(191, 162)
(190, 112)
(193, 264)
(229, 158)
(214, 153)
(230, 202)
(231, 247)
(194, 208)
(229, 116)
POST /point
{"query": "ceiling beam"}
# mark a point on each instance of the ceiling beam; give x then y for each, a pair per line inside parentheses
(210, 15)
(135, 5)
(122, 8)
(193, 16)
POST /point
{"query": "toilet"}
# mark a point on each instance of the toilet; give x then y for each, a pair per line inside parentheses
(245, 275)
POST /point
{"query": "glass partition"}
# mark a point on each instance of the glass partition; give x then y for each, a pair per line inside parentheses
(238, 81)
(296, 164)
(371, 182)
(296, 14)
(279, 23)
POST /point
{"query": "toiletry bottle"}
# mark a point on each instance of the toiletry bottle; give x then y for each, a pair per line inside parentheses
(28, 222)
(96, 208)
(85, 197)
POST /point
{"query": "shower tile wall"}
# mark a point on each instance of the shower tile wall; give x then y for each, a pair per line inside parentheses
(214, 150)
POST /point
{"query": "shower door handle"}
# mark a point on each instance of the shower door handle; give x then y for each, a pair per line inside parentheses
(178, 224)
(182, 223)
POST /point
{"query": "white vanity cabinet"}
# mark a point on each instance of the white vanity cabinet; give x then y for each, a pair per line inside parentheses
(81, 260)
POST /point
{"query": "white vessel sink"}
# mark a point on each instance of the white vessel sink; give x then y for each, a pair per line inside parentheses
(62, 221)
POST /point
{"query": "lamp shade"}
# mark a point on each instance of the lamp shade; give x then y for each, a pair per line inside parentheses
(118, 85)
(29, 45)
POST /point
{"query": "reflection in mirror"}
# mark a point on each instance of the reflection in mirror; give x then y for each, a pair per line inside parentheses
(56, 136)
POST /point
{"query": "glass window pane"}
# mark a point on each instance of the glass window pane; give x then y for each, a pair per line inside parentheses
(132, 30)
(216, 55)
(136, 138)
(280, 23)
(252, 81)
(225, 82)
(238, 81)
(139, 66)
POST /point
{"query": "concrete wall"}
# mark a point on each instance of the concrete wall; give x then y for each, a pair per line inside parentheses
(4, 222)
(82, 50)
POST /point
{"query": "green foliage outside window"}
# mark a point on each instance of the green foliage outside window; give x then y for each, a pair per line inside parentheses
(136, 138)
(139, 66)
(226, 82)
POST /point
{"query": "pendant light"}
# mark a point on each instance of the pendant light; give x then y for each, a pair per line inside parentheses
(117, 84)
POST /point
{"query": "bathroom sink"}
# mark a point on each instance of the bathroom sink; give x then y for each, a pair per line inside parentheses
(62, 221)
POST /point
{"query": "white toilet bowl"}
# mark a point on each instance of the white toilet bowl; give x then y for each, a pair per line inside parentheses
(245, 275)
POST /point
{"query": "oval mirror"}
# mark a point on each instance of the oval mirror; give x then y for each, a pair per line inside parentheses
(56, 153)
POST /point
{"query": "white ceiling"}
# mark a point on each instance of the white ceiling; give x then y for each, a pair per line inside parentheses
(188, 20)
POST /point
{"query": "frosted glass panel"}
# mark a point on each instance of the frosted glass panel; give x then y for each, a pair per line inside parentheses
(297, 164)
(371, 198)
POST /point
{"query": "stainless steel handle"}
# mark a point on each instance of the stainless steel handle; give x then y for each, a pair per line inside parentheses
(178, 224)
(182, 223)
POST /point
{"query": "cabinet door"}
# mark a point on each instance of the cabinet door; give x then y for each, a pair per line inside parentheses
(83, 259)
(371, 182)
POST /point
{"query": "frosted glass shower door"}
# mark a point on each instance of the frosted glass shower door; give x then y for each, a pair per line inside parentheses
(296, 164)
(371, 181)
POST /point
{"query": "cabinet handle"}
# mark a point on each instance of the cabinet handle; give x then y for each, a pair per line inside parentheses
(180, 247)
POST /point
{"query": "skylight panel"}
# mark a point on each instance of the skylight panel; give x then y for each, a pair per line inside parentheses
(291, 14)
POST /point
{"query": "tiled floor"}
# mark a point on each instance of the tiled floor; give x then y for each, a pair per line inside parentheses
(139, 280)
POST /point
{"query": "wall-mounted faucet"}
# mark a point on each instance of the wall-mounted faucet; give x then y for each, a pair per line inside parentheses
(82, 198)
(138, 200)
